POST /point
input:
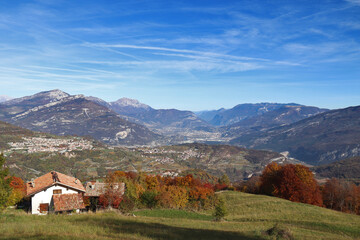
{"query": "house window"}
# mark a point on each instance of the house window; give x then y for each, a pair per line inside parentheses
(57, 191)
(44, 207)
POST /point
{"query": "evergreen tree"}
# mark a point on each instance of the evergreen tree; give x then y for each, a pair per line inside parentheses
(5, 189)
(220, 210)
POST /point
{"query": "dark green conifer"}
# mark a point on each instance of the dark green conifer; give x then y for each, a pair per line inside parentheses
(5, 189)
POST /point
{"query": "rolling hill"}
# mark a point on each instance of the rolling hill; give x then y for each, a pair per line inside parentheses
(348, 169)
(250, 216)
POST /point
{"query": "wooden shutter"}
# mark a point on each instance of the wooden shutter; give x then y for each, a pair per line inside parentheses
(44, 207)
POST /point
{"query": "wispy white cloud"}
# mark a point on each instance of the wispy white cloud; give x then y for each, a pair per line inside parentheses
(202, 53)
(355, 2)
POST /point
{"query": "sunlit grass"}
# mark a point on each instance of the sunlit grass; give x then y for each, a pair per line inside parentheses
(249, 217)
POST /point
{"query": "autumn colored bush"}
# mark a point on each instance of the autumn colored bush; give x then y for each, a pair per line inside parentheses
(220, 187)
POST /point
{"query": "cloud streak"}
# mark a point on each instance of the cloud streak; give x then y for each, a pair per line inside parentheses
(121, 47)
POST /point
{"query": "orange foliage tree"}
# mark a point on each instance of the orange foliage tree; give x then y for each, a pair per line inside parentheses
(18, 191)
(293, 182)
(298, 185)
(173, 197)
(270, 179)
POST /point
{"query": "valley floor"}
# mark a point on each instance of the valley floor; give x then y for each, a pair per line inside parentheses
(249, 217)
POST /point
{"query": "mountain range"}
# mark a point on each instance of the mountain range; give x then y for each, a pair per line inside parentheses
(284, 115)
(320, 139)
(224, 117)
(310, 134)
(59, 113)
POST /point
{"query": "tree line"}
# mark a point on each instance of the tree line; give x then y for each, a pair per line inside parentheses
(150, 191)
(297, 183)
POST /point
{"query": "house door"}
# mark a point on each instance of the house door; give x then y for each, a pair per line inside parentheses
(44, 207)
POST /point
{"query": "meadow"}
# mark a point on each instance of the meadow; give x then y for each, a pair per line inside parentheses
(249, 217)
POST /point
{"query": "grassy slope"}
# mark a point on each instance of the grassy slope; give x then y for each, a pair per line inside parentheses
(249, 216)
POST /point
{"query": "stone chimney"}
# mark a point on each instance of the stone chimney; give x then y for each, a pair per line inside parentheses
(32, 183)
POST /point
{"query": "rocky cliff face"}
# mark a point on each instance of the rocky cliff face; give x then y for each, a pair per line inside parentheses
(59, 113)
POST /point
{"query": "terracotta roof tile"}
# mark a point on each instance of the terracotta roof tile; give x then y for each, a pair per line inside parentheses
(95, 189)
(68, 202)
(46, 181)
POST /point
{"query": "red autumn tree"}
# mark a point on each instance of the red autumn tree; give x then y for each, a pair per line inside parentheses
(113, 194)
(293, 182)
(110, 199)
(342, 196)
(270, 178)
(200, 193)
(187, 181)
(298, 184)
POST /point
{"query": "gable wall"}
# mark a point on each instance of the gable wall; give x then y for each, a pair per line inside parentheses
(46, 197)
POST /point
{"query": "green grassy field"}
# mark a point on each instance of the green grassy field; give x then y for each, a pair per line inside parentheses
(249, 217)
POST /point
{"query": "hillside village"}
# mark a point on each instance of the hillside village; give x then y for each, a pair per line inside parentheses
(43, 144)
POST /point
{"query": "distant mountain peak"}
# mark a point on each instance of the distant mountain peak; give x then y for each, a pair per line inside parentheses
(56, 94)
(4, 98)
(128, 102)
(45, 96)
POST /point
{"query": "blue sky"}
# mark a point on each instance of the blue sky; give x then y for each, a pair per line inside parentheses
(193, 55)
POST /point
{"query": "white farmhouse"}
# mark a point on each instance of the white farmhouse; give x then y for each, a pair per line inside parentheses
(55, 192)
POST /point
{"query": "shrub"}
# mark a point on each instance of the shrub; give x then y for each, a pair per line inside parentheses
(279, 233)
(149, 198)
(127, 205)
(224, 180)
(219, 187)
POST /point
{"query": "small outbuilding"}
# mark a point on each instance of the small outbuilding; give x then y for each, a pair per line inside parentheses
(95, 189)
